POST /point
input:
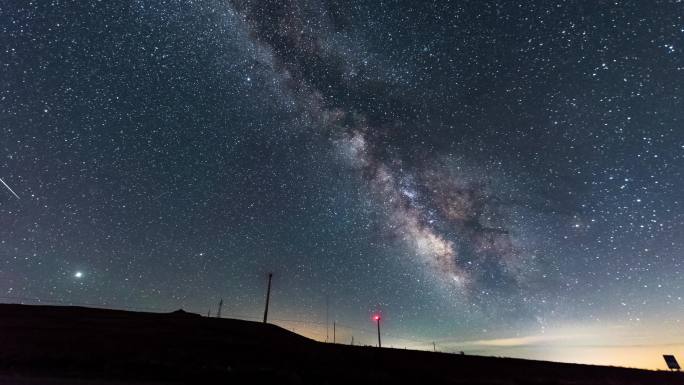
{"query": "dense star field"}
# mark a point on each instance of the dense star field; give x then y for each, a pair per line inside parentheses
(499, 177)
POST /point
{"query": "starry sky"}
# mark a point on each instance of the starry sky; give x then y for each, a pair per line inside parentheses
(500, 177)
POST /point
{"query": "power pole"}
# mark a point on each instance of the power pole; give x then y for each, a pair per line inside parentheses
(218, 313)
(327, 323)
(334, 335)
(434, 347)
(268, 296)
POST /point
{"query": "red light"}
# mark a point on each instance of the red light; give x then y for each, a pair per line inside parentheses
(376, 317)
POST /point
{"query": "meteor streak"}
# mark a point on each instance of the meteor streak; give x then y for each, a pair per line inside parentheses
(9, 188)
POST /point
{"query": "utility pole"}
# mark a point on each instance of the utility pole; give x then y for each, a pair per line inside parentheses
(334, 336)
(327, 322)
(218, 313)
(268, 296)
(434, 347)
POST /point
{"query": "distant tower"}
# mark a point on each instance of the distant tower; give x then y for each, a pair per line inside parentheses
(218, 313)
(268, 296)
(377, 319)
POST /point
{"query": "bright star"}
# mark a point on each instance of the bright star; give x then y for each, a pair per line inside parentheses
(78, 274)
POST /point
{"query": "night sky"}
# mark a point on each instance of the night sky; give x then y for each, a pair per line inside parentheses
(503, 178)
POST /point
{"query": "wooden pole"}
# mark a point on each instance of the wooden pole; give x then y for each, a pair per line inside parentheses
(268, 297)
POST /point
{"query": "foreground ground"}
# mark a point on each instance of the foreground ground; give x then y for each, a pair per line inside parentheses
(73, 345)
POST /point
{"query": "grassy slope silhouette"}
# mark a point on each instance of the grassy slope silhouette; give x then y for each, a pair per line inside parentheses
(61, 344)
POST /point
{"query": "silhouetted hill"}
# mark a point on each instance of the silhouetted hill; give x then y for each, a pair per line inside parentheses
(76, 345)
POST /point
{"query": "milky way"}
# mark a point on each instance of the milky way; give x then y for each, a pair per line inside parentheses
(301, 38)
